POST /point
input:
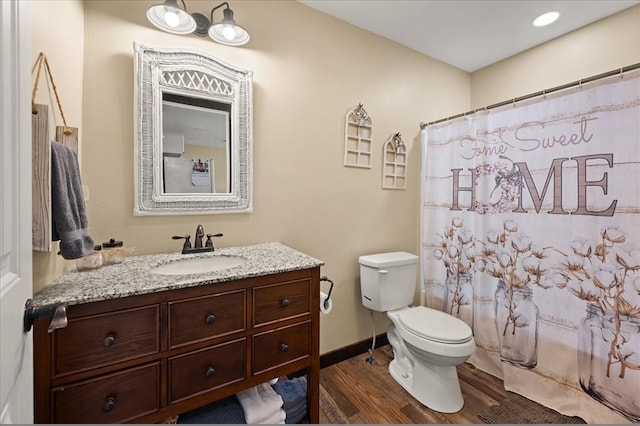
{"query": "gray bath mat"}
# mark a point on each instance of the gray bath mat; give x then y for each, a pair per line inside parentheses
(517, 409)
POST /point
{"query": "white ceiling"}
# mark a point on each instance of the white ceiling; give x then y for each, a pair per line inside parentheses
(468, 34)
(198, 126)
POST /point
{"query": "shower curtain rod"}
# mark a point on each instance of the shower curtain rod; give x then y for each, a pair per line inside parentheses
(540, 93)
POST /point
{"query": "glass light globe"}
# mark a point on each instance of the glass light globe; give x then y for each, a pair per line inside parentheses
(172, 19)
(229, 32)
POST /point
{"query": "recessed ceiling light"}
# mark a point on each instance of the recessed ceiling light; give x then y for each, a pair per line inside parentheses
(545, 19)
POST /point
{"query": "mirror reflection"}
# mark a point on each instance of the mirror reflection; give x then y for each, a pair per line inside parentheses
(195, 145)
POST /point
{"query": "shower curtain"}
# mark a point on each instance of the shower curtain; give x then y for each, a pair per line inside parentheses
(531, 235)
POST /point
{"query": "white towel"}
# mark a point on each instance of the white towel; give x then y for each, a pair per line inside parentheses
(261, 404)
(278, 418)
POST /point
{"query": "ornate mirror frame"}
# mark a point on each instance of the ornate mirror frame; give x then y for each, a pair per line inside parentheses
(193, 74)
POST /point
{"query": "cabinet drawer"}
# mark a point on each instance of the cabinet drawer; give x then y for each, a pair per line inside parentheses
(115, 398)
(275, 348)
(206, 317)
(206, 369)
(279, 301)
(106, 339)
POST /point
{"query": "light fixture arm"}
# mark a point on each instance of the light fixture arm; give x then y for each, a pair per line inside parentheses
(218, 7)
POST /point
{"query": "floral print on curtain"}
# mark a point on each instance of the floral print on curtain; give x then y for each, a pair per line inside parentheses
(531, 235)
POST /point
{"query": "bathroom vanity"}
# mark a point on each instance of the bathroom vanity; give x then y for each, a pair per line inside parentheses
(141, 346)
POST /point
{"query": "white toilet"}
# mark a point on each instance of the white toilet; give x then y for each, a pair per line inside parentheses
(427, 344)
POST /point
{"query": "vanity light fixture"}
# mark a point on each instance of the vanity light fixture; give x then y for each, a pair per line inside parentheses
(227, 31)
(169, 17)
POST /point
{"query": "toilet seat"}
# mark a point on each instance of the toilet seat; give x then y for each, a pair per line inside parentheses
(435, 325)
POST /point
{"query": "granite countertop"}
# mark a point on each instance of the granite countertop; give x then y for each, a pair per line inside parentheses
(134, 275)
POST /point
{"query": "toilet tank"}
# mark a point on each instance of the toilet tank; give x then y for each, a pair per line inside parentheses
(388, 280)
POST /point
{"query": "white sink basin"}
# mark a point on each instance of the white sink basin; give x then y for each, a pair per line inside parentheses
(199, 265)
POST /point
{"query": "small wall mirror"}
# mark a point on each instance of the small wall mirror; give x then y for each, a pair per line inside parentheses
(194, 133)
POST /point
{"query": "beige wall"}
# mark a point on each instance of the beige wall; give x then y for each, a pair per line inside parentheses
(309, 71)
(64, 48)
(606, 45)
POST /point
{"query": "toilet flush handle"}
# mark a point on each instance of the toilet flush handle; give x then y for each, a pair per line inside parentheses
(383, 271)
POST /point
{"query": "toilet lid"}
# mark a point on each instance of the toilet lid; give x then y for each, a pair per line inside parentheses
(435, 325)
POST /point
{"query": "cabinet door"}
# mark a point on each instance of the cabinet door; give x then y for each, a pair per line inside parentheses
(114, 398)
(95, 341)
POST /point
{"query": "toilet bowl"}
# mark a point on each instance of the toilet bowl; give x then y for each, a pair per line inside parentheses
(426, 354)
(427, 344)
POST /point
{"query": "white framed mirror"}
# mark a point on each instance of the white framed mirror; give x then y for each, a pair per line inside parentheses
(193, 133)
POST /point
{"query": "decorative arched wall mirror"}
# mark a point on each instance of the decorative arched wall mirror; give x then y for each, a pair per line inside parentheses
(193, 134)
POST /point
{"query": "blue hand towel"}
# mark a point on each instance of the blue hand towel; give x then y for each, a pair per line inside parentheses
(297, 415)
(70, 224)
(294, 397)
(224, 411)
(292, 391)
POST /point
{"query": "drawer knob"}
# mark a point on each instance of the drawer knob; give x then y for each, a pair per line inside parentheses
(108, 341)
(109, 404)
(210, 319)
(284, 303)
(284, 347)
(211, 371)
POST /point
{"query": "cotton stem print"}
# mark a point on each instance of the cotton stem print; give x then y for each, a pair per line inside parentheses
(605, 275)
(455, 248)
(550, 188)
(511, 257)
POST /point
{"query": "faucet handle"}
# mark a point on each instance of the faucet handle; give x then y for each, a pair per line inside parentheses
(187, 241)
(209, 242)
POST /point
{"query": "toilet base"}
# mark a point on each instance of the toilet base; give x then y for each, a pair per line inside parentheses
(439, 392)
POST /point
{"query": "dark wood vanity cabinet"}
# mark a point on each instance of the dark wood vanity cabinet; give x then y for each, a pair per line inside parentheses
(150, 357)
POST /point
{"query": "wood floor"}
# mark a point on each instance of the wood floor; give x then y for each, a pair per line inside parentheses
(353, 391)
